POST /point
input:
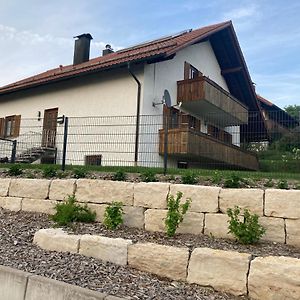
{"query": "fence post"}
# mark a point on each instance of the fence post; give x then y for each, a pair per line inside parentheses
(66, 124)
(166, 146)
(13, 152)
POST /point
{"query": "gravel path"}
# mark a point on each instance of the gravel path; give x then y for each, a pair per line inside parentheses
(17, 251)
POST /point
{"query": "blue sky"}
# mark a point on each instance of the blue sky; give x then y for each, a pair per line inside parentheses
(37, 35)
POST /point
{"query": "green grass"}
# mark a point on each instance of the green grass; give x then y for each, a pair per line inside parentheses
(204, 173)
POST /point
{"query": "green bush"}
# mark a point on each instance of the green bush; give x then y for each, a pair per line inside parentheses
(148, 176)
(79, 173)
(119, 176)
(113, 216)
(269, 183)
(216, 177)
(49, 172)
(282, 184)
(15, 170)
(247, 231)
(176, 212)
(189, 178)
(69, 211)
(233, 181)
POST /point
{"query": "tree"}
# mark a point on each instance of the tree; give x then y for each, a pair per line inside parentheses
(293, 110)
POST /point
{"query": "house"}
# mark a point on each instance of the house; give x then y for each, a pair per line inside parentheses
(213, 108)
(278, 122)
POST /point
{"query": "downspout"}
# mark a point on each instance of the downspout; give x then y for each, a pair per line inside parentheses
(138, 108)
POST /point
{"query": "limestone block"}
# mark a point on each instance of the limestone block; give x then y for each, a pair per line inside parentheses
(274, 278)
(11, 203)
(99, 209)
(204, 198)
(166, 261)
(4, 186)
(114, 250)
(282, 203)
(293, 232)
(104, 191)
(216, 225)
(252, 199)
(39, 206)
(48, 289)
(12, 283)
(29, 188)
(61, 189)
(274, 229)
(56, 240)
(151, 194)
(225, 271)
(133, 216)
(155, 221)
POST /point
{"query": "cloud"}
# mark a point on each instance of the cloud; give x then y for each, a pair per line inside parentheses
(241, 12)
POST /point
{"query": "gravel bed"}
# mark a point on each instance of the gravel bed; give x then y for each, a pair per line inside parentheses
(17, 251)
(187, 240)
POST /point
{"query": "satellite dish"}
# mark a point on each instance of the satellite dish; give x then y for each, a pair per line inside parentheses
(167, 99)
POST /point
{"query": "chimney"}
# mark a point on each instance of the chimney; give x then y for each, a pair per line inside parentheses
(82, 48)
(108, 49)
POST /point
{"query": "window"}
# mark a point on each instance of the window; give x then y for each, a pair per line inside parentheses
(10, 126)
(191, 72)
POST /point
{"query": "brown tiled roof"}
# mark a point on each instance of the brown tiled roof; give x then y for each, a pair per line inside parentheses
(264, 100)
(163, 47)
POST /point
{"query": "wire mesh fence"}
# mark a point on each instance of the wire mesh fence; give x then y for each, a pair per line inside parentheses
(249, 140)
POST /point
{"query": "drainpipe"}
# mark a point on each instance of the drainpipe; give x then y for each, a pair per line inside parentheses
(138, 108)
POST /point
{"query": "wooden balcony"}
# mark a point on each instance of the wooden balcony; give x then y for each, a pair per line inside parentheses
(189, 145)
(204, 98)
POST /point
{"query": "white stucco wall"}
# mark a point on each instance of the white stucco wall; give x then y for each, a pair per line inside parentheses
(110, 93)
(164, 75)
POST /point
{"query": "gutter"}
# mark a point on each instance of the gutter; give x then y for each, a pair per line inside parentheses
(138, 109)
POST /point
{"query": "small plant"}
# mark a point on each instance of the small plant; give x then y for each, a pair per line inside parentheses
(282, 184)
(148, 176)
(176, 212)
(234, 181)
(15, 170)
(248, 230)
(49, 172)
(119, 176)
(113, 216)
(69, 211)
(269, 183)
(79, 173)
(216, 178)
(189, 178)
(61, 174)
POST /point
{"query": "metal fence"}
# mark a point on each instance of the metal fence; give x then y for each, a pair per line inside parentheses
(173, 139)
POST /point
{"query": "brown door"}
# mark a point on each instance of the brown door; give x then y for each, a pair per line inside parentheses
(49, 127)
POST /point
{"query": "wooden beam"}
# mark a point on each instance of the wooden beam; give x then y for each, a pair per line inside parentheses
(230, 71)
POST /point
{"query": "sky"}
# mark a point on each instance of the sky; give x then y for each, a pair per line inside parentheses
(36, 36)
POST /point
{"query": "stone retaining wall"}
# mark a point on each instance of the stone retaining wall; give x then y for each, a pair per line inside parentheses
(19, 285)
(145, 204)
(227, 271)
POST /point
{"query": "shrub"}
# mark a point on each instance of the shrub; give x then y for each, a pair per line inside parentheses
(189, 178)
(176, 212)
(49, 172)
(269, 183)
(282, 184)
(113, 216)
(234, 181)
(216, 178)
(247, 231)
(79, 173)
(15, 170)
(148, 176)
(119, 176)
(69, 211)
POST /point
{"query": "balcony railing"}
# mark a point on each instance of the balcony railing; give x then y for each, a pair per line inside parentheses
(207, 99)
(185, 143)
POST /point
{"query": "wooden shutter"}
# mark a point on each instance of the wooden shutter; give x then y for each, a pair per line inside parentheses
(2, 127)
(187, 68)
(16, 127)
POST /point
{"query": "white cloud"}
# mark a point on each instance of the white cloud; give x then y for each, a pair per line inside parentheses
(242, 12)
